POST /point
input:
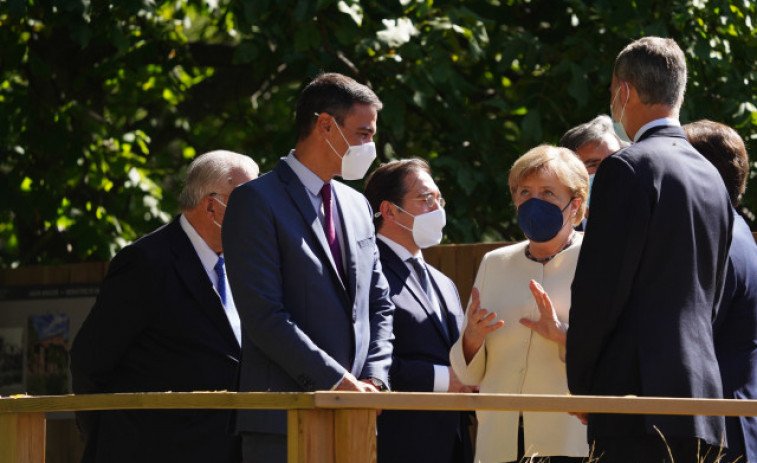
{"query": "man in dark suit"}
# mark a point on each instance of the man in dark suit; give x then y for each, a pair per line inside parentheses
(427, 317)
(651, 269)
(165, 321)
(736, 323)
(304, 265)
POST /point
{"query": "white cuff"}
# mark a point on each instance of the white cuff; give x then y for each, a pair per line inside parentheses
(441, 378)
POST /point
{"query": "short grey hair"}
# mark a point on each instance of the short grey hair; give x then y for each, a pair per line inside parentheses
(211, 172)
(593, 131)
(656, 67)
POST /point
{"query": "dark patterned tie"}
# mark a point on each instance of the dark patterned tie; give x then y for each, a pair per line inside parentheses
(422, 272)
(221, 273)
(328, 227)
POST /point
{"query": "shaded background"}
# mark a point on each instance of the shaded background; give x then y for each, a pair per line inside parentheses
(103, 103)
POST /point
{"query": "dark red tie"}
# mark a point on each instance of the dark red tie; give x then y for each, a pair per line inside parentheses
(328, 227)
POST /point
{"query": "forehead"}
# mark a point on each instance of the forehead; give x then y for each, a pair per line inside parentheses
(419, 182)
(598, 149)
(362, 115)
(542, 178)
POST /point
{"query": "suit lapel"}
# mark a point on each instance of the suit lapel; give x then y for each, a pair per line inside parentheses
(391, 262)
(348, 234)
(191, 272)
(299, 196)
(450, 300)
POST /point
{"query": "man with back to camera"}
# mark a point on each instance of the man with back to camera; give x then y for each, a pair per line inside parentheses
(165, 320)
(651, 270)
(304, 266)
(427, 318)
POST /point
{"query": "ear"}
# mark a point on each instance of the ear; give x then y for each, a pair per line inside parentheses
(575, 206)
(387, 211)
(323, 123)
(209, 208)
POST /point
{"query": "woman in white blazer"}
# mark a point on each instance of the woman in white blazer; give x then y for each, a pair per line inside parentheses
(503, 348)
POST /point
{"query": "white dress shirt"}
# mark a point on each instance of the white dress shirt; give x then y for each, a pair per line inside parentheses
(666, 121)
(313, 185)
(208, 258)
(441, 372)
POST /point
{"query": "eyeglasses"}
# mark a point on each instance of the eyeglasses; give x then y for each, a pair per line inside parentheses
(431, 199)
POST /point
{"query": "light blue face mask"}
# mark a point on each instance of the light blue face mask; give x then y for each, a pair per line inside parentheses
(591, 183)
(620, 131)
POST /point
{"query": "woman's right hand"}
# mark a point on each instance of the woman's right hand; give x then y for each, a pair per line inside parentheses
(480, 323)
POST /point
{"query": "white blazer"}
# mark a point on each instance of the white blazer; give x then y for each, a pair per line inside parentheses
(516, 360)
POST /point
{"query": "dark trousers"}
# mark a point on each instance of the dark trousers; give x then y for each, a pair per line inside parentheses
(264, 448)
(653, 449)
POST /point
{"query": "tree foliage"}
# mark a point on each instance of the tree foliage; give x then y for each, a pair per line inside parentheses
(104, 102)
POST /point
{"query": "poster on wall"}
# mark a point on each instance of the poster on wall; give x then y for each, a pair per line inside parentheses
(47, 354)
(11, 361)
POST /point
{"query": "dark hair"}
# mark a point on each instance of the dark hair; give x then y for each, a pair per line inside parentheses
(593, 131)
(725, 149)
(387, 183)
(334, 94)
(656, 67)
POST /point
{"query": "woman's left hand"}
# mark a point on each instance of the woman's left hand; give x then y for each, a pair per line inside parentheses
(548, 325)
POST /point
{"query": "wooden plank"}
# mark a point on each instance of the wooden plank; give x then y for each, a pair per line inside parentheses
(310, 436)
(63, 442)
(158, 400)
(536, 402)
(22, 437)
(355, 436)
(389, 401)
(84, 273)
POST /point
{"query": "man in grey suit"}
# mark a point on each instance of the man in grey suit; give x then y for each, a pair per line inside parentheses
(651, 270)
(304, 267)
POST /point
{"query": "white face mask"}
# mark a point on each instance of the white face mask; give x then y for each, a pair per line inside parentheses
(357, 159)
(620, 131)
(427, 227)
(221, 203)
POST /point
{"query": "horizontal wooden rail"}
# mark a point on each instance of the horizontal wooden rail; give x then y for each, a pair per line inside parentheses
(325, 427)
(380, 401)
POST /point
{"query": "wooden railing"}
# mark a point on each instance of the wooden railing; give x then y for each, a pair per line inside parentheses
(327, 427)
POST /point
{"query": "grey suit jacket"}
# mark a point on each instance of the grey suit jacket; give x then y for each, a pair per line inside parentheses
(303, 328)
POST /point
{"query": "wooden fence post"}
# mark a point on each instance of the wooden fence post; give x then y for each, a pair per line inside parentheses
(22, 437)
(355, 435)
(331, 436)
(310, 436)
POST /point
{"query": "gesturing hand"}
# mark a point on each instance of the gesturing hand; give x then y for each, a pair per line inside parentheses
(548, 324)
(480, 323)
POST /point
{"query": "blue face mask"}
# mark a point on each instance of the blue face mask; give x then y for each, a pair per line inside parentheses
(540, 220)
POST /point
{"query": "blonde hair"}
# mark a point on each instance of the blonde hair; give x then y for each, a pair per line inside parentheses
(560, 162)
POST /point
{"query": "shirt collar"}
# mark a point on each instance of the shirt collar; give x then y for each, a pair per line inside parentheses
(312, 182)
(207, 256)
(398, 249)
(665, 121)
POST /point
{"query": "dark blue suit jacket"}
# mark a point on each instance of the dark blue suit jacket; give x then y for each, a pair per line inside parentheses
(303, 328)
(736, 338)
(157, 325)
(649, 278)
(420, 343)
